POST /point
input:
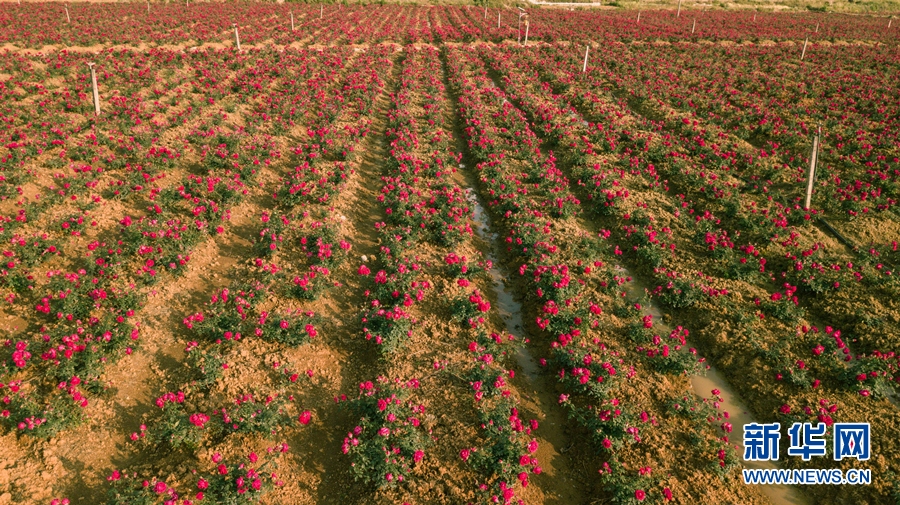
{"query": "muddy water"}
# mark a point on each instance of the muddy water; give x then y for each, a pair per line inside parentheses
(739, 415)
(509, 307)
(560, 477)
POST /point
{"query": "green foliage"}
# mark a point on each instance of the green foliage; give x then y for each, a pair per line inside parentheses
(176, 427)
(494, 344)
(677, 359)
(623, 484)
(589, 371)
(319, 246)
(131, 490)
(638, 333)
(592, 377)
(239, 482)
(110, 340)
(507, 449)
(208, 366)
(556, 282)
(250, 291)
(607, 424)
(388, 439)
(17, 282)
(680, 294)
(779, 357)
(223, 317)
(36, 250)
(268, 241)
(250, 415)
(311, 285)
(464, 310)
(229, 484)
(651, 254)
(27, 416)
(895, 488)
(785, 308)
(487, 3)
(566, 319)
(874, 374)
(710, 422)
(390, 328)
(290, 329)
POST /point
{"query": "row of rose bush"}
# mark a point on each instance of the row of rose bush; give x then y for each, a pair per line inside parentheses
(38, 24)
(570, 286)
(89, 307)
(301, 233)
(554, 113)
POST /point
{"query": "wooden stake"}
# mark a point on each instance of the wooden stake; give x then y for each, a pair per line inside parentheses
(817, 28)
(237, 38)
(526, 33)
(693, 27)
(321, 7)
(813, 160)
(498, 19)
(519, 28)
(94, 89)
(889, 22)
(68, 19)
(586, 49)
(804, 49)
(292, 20)
(678, 14)
(639, 17)
(754, 17)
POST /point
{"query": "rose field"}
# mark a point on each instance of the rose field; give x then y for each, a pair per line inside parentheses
(388, 254)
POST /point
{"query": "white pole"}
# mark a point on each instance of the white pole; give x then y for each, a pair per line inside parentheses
(94, 89)
(320, 10)
(817, 28)
(498, 19)
(586, 49)
(813, 160)
(68, 19)
(889, 22)
(526, 33)
(237, 38)
(485, 13)
(694, 26)
(804, 49)
(292, 20)
(754, 17)
(148, 5)
(519, 29)
(639, 17)
(678, 14)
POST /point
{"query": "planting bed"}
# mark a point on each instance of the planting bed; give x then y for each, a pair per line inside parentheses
(393, 255)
